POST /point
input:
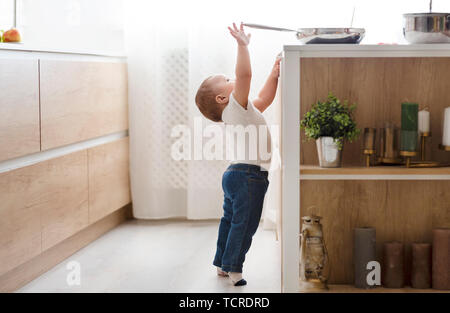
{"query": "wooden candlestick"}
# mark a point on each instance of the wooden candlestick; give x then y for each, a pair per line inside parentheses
(392, 270)
(441, 258)
(421, 265)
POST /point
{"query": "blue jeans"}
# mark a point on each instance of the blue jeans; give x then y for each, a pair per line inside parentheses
(244, 187)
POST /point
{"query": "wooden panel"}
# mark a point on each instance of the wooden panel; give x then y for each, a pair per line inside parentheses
(353, 289)
(109, 183)
(374, 170)
(37, 266)
(378, 86)
(19, 108)
(81, 100)
(399, 210)
(64, 197)
(40, 205)
(20, 225)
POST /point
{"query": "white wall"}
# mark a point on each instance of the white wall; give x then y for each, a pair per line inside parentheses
(6, 14)
(92, 25)
(97, 25)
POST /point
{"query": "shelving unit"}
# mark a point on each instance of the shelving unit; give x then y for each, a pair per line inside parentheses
(403, 204)
(311, 172)
(352, 289)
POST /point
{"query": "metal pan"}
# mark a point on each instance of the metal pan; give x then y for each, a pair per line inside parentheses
(320, 35)
(427, 27)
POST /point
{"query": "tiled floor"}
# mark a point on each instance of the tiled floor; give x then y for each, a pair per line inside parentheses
(162, 256)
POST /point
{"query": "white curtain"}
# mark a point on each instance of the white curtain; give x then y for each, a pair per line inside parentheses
(173, 45)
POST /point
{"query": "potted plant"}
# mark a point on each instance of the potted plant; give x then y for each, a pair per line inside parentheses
(330, 123)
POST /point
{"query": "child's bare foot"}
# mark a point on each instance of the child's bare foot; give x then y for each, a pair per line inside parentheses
(221, 273)
(236, 279)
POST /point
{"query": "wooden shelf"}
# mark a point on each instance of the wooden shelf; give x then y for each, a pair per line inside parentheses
(352, 289)
(310, 172)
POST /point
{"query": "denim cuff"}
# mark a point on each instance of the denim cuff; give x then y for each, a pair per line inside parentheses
(232, 268)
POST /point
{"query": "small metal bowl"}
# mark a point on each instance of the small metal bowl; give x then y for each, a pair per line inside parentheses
(427, 27)
(330, 35)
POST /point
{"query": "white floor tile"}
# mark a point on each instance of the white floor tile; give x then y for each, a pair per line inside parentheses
(163, 256)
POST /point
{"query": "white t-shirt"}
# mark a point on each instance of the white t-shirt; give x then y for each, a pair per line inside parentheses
(247, 134)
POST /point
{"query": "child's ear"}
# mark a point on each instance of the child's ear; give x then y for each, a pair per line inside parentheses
(221, 99)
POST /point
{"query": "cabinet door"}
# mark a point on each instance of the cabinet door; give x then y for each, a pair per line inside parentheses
(19, 108)
(41, 205)
(81, 100)
(109, 183)
(64, 197)
(20, 223)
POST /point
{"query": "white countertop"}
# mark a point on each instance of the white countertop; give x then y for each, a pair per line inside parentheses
(441, 46)
(26, 48)
(352, 50)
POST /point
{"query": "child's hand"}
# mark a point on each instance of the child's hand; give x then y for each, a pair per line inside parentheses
(238, 34)
(276, 68)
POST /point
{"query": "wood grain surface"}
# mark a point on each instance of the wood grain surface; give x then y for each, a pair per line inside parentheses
(81, 100)
(377, 86)
(26, 272)
(40, 205)
(406, 211)
(109, 182)
(19, 108)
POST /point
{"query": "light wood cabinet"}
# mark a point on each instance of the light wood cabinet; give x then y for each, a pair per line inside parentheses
(81, 100)
(40, 205)
(109, 183)
(46, 104)
(20, 223)
(19, 108)
(402, 204)
(378, 86)
(404, 211)
(64, 197)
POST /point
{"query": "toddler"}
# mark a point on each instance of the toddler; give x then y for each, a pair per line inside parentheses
(245, 182)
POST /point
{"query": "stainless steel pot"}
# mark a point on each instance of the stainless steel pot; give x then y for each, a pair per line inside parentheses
(427, 27)
(320, 35)
(329, 153)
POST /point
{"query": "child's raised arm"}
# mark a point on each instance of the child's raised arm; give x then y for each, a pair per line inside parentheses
(267, 93)
(243, 67)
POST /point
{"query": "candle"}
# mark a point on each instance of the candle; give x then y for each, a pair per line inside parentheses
(410, 115)
(364, 251)
(392, 270)
(424, 121)
(421, 265)
(408, 140)
(441, 258)
(446, 130)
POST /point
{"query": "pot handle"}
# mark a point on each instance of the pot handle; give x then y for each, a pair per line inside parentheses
(259, 26)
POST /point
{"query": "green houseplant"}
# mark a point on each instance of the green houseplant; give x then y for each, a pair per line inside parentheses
(330, 123)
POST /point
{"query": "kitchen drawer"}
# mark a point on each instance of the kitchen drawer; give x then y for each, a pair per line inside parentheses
(109, 183)
(63, 201)
(19, 108)
(41, 205)
(81, 100)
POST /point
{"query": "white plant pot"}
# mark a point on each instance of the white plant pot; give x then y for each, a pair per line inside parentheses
(328, 152)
